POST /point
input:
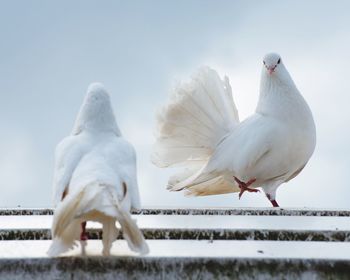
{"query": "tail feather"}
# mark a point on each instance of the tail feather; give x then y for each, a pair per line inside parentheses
(184, 175)
(65, 241)
(132, 233)
(94, 202)
(214, 186)
(74, 206)
(66, 227)
(199, 114)
(58, 247)
(206, 183)
(110, 234)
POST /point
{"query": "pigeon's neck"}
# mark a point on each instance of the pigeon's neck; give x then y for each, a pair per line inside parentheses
(96, 119)
(278, 82)
(279, 96)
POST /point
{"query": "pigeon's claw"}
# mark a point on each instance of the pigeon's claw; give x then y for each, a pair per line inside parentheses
(246, 189)
(83, 235)
(245, 186)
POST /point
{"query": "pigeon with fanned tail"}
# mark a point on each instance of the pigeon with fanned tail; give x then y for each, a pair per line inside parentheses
(199, 130)
(95, 179)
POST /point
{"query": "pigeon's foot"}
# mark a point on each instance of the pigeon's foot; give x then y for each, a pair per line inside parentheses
(273, 201)
(245, 186)
(83, 235)
(83, 244)
(106, 252)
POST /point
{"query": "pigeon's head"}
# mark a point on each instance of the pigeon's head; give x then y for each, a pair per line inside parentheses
(272, 62)
(97, 96)
(274, 73)
(96, 112)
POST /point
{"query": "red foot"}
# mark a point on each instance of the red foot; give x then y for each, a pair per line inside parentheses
(83, 235)
(273, 201)
(245, 186)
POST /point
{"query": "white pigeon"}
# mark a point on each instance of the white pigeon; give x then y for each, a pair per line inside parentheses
(95, 179)
(199, 129)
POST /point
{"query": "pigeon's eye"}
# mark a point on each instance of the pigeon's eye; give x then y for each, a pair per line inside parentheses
(279, 61)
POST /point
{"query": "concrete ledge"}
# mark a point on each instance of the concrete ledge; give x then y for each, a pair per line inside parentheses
(218, 243)
(201, 211)
(172, 268)
(196, 234)
(198, 227)
(181, 260)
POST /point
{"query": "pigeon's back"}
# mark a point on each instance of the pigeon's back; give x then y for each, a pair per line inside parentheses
(111, 161)
(95, 179)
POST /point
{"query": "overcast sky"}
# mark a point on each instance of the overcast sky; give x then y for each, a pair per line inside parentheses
(51, 50)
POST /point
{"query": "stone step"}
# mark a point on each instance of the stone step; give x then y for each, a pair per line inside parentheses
(180, 259)
(234, 227)
(202, 211)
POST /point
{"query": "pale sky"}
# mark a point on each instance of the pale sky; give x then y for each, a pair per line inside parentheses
(50, 52)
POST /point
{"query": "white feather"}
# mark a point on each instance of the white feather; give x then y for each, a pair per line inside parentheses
(198, 115)
(96, 169)
(272, 146)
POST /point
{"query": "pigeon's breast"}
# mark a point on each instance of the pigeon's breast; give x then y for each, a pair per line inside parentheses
(289, 147)
(282, 134)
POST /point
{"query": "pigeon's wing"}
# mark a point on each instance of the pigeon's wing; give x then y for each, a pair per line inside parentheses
(121, 156)
(67, 156)
(131, 176)
(130, 173)
(237, 154)
(244, 147)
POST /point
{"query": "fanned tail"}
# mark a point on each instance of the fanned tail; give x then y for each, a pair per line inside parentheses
(198, 115)
(94, 202)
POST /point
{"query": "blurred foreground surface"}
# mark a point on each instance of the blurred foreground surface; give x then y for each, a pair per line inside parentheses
(188, 243)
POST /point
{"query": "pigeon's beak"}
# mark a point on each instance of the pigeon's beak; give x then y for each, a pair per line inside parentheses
(271, 69)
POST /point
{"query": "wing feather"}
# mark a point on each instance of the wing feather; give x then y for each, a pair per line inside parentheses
(67, 156)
